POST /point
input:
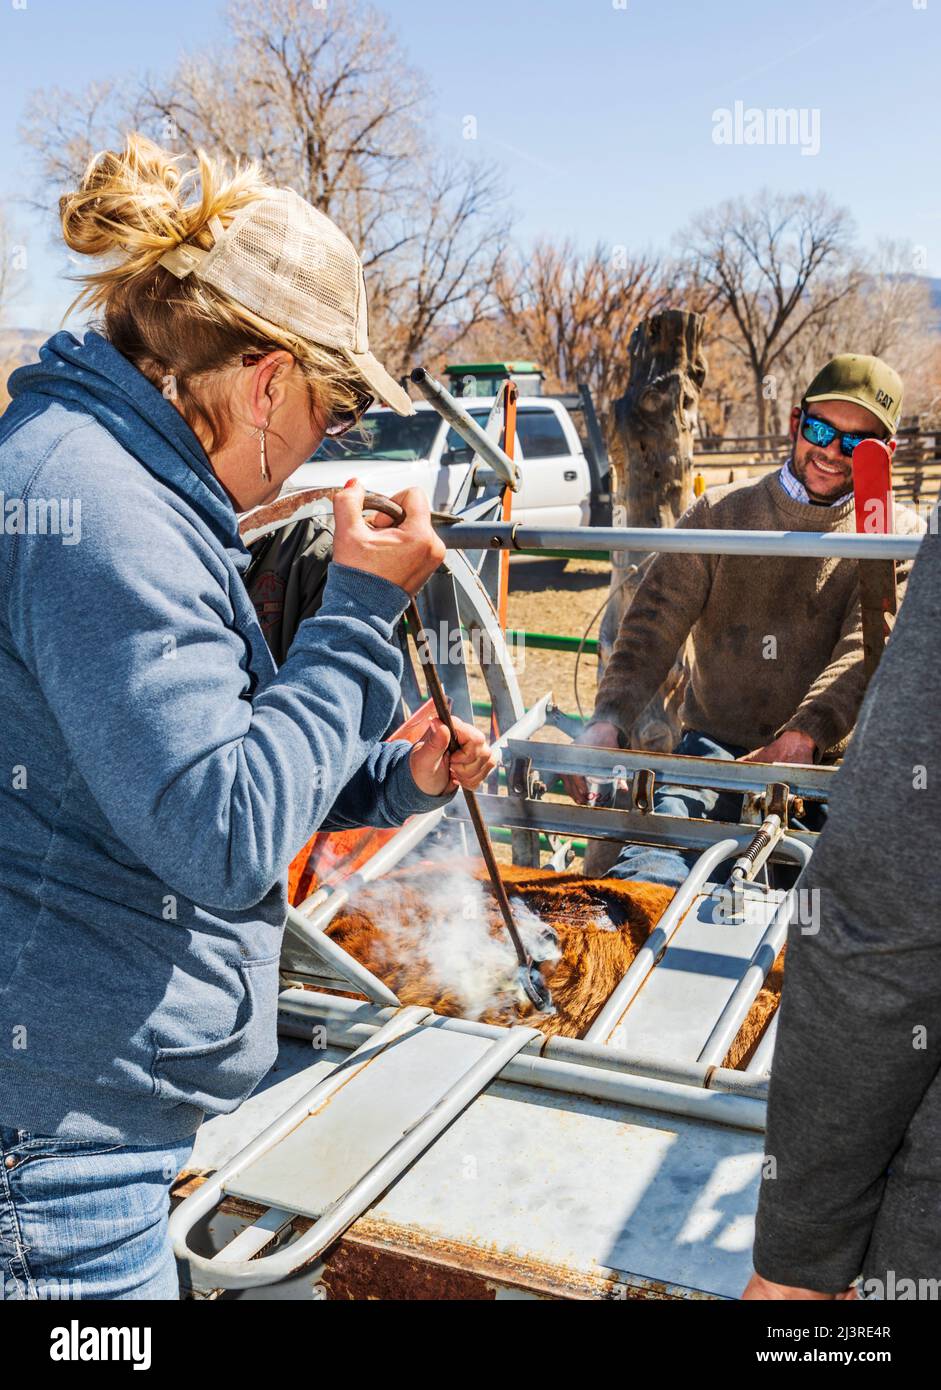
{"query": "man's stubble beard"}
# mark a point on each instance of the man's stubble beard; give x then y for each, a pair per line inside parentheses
(841, 486)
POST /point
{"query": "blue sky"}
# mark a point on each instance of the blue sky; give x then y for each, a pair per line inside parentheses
(599, 112)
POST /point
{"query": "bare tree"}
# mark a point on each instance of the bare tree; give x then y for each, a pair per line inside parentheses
(576, 311)
(774, 266)
(10, 278)
(891, 313)
(888, 313)
(323, 99)
(435, 289)
(326, 102)
(66, 128)
(725, 401)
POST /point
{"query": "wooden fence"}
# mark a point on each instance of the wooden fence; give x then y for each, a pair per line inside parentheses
(916, 468)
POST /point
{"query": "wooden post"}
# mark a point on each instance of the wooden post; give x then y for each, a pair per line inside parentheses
(655, 423)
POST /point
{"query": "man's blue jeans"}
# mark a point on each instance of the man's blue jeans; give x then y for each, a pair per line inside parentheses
(81, 1219)
(670, 866)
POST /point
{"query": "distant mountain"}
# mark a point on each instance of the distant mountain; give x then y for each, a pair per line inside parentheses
(934, 286)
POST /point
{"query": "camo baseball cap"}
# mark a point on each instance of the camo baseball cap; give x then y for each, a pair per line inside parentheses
(866, 381)
(292, 268)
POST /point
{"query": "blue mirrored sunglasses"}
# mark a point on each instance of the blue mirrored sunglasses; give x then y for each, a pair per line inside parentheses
(822, 434)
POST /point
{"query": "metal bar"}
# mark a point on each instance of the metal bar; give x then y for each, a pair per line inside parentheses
(439, 614)
(732, 1017)
(308, 503)
(433, 680)
(660, 1069)
(677, 769)
(563, 554)
(796, 847)
(323, 905)
(644, 1092)
(600, 823)
(250, 1242)
(201, 1202)
(743, 996)
(349, 1022)
(501, 836)
(351, 970)
(267, 1269)
(841, 545)
(642, 964)
(467, 427)
(760, 1064)
(553, 641)
(583, 1071)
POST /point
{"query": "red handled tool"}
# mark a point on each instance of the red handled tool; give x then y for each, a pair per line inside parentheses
(878, 591)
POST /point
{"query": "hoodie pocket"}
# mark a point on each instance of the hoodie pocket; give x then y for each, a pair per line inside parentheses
(218, 1076)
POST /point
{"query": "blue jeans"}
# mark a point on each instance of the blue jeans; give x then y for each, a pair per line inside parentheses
(82, 1219)
(670, 866)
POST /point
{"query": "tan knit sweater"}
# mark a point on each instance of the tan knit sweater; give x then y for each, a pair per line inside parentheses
(775, 642)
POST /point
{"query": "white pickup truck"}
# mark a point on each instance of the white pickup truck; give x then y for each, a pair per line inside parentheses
(390, 452)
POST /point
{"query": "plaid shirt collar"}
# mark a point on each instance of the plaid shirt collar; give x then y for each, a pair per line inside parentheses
(795, 488)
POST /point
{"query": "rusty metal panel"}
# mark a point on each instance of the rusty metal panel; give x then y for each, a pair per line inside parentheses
(347, 1136)
(676, 1009)
(598, 1196)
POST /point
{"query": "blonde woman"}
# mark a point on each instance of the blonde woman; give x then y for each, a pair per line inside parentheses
(157, 771)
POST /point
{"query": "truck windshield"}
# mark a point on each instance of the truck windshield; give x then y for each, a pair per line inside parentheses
(455, 448)
(384, 435)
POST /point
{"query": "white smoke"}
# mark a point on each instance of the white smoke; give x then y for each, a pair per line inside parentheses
(464, 958)
(603, 922)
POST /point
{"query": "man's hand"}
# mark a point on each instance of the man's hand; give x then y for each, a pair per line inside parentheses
(598, 735)
(759, 1288)
(790, 747)
(436, 771)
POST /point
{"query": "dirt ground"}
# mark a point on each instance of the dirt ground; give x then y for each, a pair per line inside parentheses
(560, 596)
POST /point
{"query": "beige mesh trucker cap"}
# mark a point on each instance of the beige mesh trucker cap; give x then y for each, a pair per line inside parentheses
(288, 263)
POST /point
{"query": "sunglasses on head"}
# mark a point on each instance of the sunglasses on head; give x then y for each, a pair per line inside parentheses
(340, 421)
(822, 433)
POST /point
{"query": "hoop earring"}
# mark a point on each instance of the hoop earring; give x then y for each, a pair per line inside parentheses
(265, 470)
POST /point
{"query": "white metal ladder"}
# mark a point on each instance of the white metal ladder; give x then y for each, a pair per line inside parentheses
(691, 985)
(335, 1151)
(309, 955)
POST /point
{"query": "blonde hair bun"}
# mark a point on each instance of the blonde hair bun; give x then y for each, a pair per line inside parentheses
(139, 204)
(132, 207)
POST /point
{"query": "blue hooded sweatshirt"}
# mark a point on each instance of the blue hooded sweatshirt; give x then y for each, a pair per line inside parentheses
(157, 772)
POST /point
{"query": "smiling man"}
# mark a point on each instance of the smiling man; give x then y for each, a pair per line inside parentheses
(775, 655)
